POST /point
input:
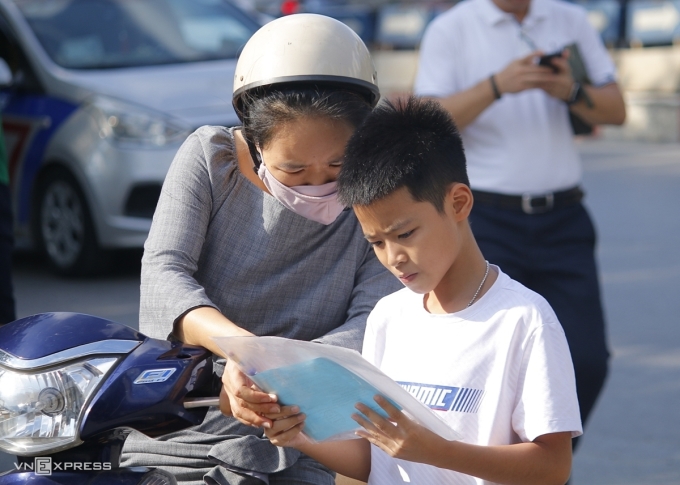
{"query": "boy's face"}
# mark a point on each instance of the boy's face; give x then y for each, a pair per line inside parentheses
(417, 243)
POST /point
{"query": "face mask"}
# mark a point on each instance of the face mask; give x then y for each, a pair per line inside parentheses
(315, 202)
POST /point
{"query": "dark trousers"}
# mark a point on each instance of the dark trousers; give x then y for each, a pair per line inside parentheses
(553, 254)
(6, 245)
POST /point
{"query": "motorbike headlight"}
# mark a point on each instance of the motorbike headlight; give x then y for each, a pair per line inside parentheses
(42, 411)
(131, 124)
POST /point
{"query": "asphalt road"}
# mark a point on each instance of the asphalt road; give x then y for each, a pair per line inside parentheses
(634, 195)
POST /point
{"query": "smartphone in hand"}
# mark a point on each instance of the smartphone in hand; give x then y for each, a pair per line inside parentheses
(546, 60)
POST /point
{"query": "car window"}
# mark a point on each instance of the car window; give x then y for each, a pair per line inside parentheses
(97, 34)
(11, 52)
(7, 44)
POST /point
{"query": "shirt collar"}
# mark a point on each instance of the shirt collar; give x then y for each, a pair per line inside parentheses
(493, 15)
(538, 11)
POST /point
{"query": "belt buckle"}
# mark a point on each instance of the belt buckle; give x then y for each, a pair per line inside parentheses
(529, 208)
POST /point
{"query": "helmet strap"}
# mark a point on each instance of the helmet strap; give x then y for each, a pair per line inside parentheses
(254, 154)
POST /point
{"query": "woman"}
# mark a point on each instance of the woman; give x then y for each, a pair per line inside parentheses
(248, 238)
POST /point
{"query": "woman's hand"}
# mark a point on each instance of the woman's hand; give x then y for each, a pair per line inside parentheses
(242, 399)
(287, 428)
(398, 436)
(239, 397)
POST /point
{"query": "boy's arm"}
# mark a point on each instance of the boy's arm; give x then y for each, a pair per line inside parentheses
(351, 458)
(544, 461)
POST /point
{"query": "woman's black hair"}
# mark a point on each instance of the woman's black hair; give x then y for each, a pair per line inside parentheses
(265, 111)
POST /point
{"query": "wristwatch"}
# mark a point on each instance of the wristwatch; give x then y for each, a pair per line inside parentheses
(576, 94)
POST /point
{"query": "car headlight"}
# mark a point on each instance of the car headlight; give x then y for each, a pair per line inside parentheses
(42, 411)
(131, 124)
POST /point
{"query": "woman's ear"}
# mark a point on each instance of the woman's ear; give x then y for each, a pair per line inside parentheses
(459, 198)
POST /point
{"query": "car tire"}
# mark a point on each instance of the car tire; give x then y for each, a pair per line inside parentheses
(63, 226)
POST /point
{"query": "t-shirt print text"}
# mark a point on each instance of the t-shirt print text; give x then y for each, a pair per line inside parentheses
(445, 398)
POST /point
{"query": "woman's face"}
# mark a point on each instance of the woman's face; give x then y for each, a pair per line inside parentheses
(308, 151)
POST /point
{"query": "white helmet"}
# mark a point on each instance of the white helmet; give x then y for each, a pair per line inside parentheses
(305, 48)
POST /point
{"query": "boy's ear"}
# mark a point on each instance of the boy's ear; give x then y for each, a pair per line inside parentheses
(459, 197)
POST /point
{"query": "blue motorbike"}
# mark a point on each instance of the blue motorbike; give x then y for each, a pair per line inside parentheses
(72, 386)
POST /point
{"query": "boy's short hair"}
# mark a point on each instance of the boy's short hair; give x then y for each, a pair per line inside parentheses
(412, 143)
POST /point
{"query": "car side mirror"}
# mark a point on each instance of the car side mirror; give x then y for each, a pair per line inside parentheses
(6, 77)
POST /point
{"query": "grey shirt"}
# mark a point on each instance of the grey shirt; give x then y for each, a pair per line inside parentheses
(218, 240)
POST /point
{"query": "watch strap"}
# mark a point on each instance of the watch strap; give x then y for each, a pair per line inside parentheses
(575, 93)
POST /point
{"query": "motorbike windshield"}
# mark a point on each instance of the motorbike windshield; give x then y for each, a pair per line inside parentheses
(101, 34)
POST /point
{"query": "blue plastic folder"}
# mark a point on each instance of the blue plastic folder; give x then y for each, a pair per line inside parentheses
(326, 382)
(325, 391)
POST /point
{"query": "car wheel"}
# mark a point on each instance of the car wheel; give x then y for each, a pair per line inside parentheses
(64, 227)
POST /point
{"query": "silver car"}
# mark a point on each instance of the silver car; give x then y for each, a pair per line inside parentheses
(101, 94)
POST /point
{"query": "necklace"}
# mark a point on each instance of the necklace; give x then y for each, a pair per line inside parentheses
(486, 273)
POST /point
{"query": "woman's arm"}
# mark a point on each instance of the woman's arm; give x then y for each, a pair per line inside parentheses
(239, 397)
(200, 325)
(172, 250)
(171, 298)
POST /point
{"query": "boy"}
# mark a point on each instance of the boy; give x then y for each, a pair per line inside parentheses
(480, 349)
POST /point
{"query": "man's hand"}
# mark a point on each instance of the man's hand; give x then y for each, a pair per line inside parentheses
(287, 428)
(398, 436)
(242, 399)
(522, 74)
(559, 84)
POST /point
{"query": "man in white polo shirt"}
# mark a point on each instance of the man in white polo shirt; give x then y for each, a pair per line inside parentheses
(480, 60)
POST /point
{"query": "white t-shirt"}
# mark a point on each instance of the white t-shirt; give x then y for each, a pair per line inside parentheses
(498, 372)
(523, 142)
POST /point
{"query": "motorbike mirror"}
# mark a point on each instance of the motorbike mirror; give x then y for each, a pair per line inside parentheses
(5, 74)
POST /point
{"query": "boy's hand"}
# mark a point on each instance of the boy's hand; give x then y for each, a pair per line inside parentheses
(287, 427)
(398, 436)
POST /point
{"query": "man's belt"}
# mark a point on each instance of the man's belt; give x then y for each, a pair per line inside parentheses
(530, 204)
